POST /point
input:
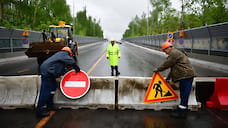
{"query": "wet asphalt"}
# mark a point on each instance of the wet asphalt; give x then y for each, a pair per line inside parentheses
(103, 118)
(133, 62)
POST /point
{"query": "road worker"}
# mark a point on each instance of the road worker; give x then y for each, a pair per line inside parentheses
(113, 54)
(51, 69)
(182, 71)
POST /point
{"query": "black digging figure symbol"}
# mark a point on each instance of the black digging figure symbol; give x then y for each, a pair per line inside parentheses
(158, 88)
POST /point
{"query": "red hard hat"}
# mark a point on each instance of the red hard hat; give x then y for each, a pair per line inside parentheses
(166, 45)
(67, 49)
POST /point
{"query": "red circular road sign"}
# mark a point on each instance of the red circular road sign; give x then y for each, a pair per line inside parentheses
(25, 41)
(181, 41)
(75, 85)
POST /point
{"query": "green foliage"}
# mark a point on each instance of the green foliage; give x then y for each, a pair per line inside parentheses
(87, 26)
(49, 12)
(21, 15)
(163, 18)
(5, 23)
(192, 21)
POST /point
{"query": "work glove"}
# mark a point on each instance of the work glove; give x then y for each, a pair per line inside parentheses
(167, 79)
(77, 69)
(155, 70)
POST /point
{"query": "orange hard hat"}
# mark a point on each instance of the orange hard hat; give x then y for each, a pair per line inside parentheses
(67, 49)
(166, 45)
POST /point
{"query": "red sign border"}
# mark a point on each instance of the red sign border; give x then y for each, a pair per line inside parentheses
(78, 96)
(157, 100)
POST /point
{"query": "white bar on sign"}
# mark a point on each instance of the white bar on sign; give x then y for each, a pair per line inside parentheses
(75, 84)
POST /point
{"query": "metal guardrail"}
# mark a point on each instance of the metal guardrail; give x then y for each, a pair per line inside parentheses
(211, 40)
(86, 39)
(12, 39)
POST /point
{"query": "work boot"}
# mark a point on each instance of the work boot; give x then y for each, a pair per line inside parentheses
(117, 73)
(52, 108)
(180, 112)
(43, 114)
(112, 74)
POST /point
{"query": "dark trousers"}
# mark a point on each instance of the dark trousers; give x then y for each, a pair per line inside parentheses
(185, 90)
(48, 85)
(114, 67)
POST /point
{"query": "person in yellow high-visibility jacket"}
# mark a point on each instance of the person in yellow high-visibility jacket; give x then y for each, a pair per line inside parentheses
(113, 54)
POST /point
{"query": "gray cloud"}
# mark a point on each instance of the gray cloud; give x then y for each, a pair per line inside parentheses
(114, 15)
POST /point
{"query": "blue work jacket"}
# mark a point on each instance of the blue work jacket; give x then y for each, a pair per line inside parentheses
(54, 66)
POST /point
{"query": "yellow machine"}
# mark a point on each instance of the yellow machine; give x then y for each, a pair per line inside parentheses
(59, 37)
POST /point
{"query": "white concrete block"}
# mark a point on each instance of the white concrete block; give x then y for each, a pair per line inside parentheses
(18, 91)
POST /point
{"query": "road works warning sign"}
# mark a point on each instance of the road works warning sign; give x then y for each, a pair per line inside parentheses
(25, 33)
(159, 90)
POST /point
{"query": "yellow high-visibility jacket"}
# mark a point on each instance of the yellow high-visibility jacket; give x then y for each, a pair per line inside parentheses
(113, 52)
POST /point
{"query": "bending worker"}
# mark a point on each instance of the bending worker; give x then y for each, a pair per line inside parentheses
(51, 69)
(182, 71)
(113, 54)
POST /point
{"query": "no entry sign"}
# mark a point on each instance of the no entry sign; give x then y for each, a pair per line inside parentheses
(75, 85)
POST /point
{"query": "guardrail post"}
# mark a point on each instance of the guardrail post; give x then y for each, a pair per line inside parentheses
(11, 44)
(192, 40)
(210, 41)
(116, 94)
(11, 41)
(160, 42)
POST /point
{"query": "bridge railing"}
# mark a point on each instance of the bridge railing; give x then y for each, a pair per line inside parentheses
(211, 40)
(86, 39)
(12, 39)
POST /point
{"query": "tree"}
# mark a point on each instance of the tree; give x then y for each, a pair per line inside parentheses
(2, 9)
(209, 11)
(87, 26)
(170, 22)
(192, 21)
(160, 9)
(195, 13)
(23, 14)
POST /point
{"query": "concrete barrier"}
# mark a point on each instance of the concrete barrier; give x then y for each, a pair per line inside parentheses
(23, 92)
(18, 91)
(100, 95)
(132, 90)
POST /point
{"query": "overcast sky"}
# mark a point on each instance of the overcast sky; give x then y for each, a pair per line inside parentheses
(114, 15)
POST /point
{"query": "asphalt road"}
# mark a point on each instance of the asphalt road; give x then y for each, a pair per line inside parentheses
(84, 118)
(134, 61)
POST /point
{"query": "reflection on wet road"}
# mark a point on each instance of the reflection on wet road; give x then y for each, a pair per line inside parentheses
(134, 61)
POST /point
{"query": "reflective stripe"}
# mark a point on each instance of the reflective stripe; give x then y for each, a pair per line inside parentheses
(182, 107)
(52, 92)
(115, 53)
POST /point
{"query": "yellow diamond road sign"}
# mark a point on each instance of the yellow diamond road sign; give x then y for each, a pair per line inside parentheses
(159, 90)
